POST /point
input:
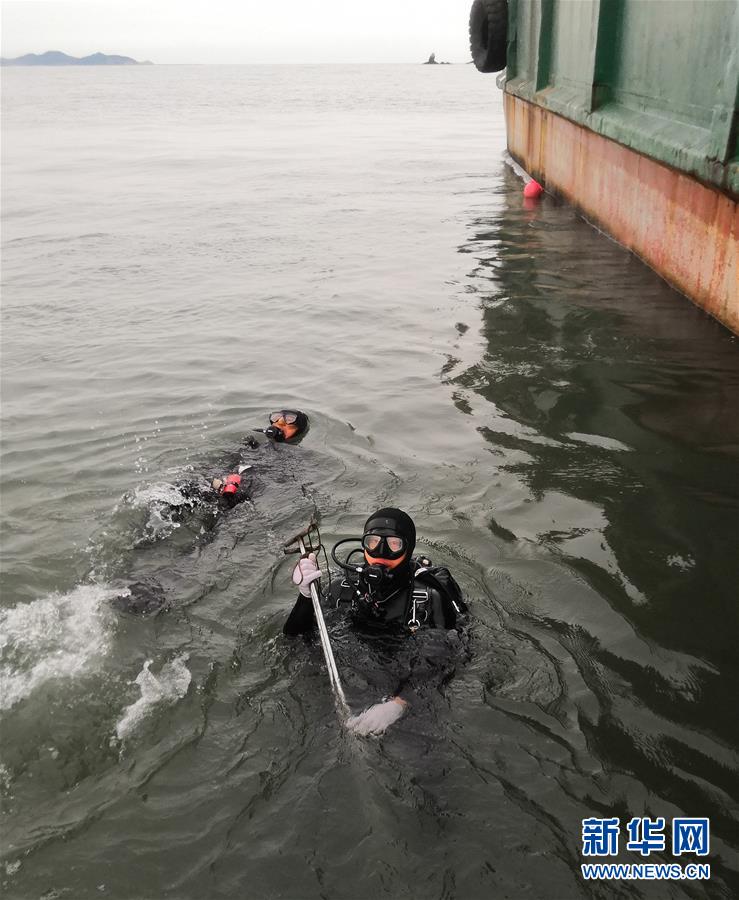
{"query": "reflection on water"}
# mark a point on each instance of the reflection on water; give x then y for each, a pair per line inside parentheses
(609, 406)
(613, 402)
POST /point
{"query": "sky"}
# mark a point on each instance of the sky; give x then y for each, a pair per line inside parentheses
(241, 31)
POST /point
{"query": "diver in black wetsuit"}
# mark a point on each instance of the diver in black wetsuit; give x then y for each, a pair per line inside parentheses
(393, 594)
(230, 489)
(145, 595)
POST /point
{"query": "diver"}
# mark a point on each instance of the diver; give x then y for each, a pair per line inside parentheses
(198, 504)
(229, 488)
(394, 596)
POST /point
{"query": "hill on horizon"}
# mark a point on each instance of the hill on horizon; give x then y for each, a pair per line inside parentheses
(57, 58)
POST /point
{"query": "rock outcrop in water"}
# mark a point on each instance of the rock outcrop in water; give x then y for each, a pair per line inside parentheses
(432, 61)
(57, 58)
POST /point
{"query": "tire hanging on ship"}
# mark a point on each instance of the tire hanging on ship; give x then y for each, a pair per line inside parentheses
(489, 34)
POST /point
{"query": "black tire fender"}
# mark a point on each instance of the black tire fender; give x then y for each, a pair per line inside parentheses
(489, 34)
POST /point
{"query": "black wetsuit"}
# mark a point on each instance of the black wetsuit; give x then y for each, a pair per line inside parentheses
(202, 491)
(427, 603)
(198, 512)
(205, 501)
(416, 634)
(205, 493)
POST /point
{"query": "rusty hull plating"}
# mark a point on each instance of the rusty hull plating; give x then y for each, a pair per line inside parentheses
(629, 110)
(686, 231)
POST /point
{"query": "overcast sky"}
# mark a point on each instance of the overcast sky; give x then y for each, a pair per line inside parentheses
(241, 31)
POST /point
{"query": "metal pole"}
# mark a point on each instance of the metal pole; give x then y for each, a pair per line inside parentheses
(333, 672)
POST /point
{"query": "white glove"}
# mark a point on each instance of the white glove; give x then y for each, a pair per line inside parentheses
(377, 718)
(305, 573)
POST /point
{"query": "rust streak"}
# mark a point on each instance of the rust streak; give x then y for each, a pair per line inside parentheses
(686, 231)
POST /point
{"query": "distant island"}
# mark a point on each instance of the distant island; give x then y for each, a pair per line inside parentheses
(57, 58)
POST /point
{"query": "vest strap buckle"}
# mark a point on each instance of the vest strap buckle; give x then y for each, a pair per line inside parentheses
(419, 598)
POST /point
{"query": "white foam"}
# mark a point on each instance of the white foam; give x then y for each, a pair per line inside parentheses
(6, 780)
(57, 636)
(161, 500)
(163, 492)
(169, 686)
(681, 562)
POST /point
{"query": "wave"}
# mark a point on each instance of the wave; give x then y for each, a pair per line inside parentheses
(166, 688)
(57, 636)
(162, 502)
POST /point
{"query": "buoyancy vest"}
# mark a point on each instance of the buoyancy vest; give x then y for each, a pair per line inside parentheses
(434, 599)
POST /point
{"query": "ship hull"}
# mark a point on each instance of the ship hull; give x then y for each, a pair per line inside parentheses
(688, 232)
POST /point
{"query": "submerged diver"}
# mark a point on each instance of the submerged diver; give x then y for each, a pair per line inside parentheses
(390, 594)
(198, 506)
(229, 488)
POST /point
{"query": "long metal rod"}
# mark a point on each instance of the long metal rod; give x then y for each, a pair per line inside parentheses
(333, 672)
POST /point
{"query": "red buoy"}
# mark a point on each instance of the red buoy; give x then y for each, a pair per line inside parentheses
(533, 190)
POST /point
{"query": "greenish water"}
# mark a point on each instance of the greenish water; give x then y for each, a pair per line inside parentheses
(186, 248)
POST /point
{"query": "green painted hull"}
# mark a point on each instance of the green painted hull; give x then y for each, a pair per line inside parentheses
(659, 76)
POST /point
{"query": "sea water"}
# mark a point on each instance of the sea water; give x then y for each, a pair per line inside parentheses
(187, 248)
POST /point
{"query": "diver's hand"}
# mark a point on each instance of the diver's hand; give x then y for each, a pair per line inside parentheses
(377, 718)
(305, 573)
